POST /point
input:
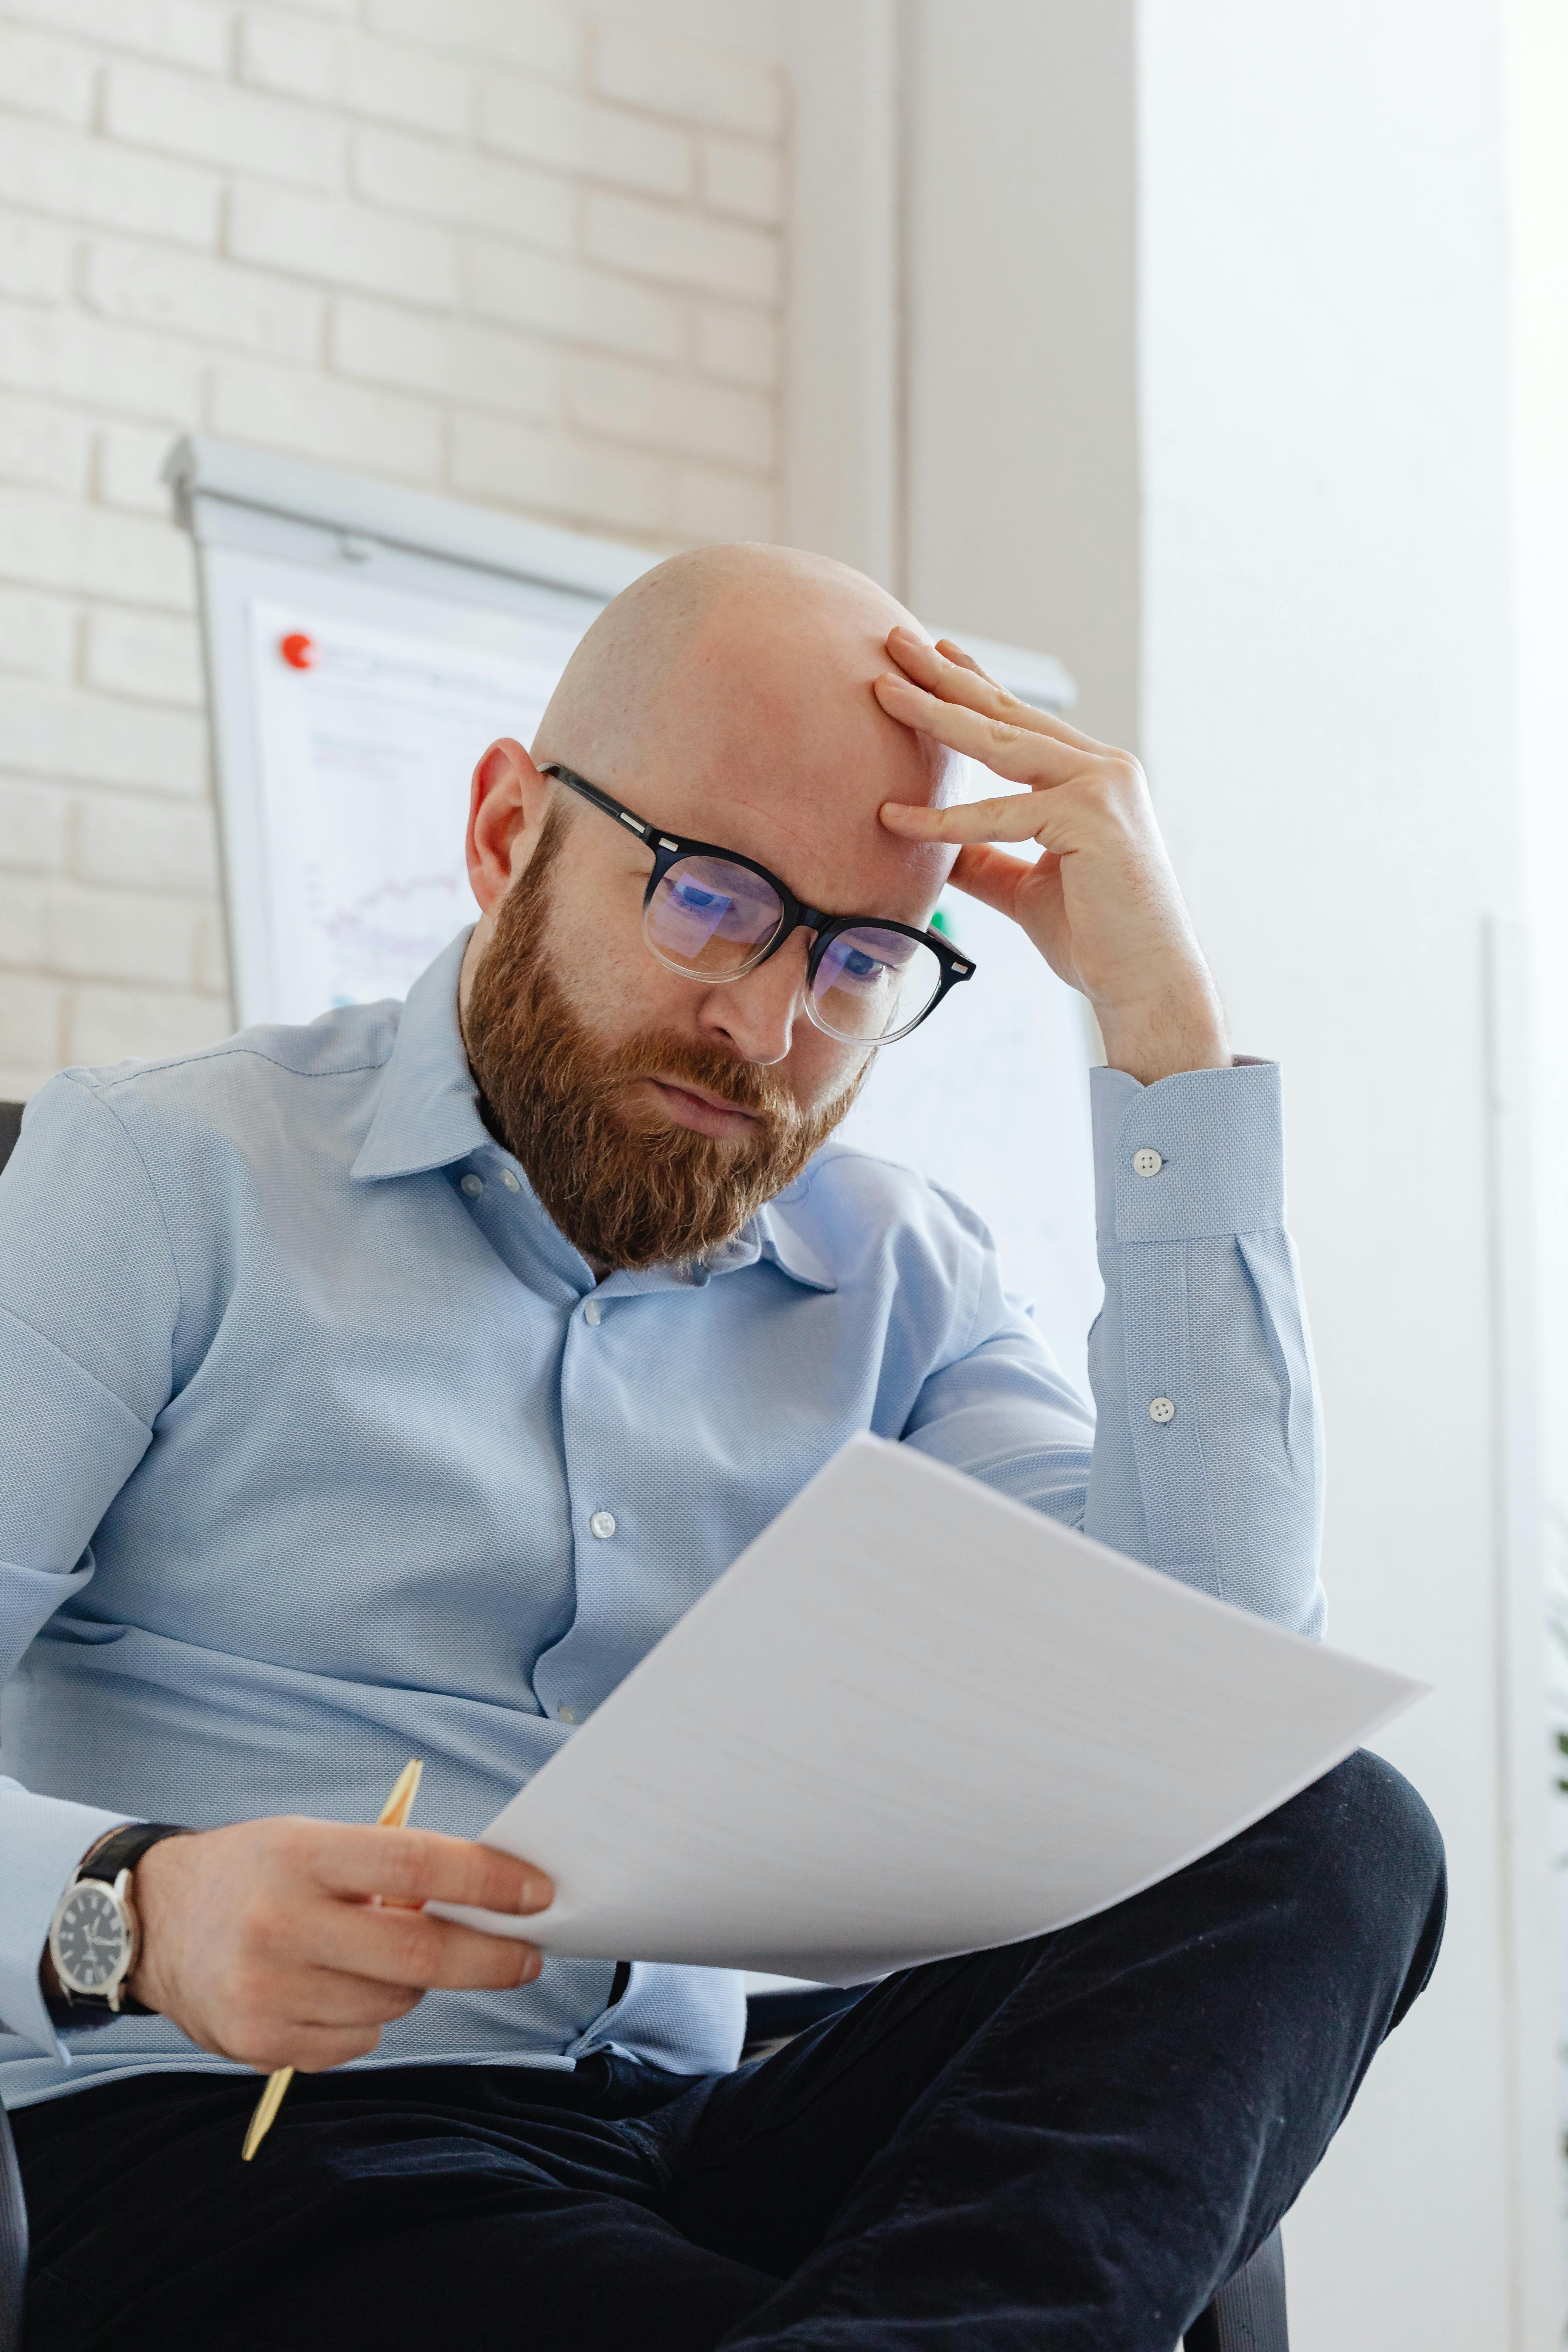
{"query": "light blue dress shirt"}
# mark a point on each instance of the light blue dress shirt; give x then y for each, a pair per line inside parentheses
(320, 1448)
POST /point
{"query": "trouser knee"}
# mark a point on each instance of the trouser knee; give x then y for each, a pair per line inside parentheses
(1367, 1847)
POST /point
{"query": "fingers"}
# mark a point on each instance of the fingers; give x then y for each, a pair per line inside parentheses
(1026, 754)
(325, 1997)
(316, 2049)
(276, 2042)
(410, 1949)
(950, 674)
(995, 878)
(1021, 754)
(1011, 816)
(318, 2018)
(943, 694)
(947, 650)
(423, 1866)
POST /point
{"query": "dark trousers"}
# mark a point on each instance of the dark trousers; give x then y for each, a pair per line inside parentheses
(1068, 2143)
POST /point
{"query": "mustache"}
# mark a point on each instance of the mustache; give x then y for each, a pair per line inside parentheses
(686, 1061)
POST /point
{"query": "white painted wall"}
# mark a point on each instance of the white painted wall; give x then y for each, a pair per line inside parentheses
(1020, 228)
(1329, 716)
(1275, 237)
(1536, 52)
(960, 411)
(843, 422)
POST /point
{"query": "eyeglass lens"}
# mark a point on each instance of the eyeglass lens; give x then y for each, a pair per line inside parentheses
(873, 984)
(708, 917)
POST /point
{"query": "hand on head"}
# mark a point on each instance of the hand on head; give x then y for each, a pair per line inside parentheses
(1101, 902)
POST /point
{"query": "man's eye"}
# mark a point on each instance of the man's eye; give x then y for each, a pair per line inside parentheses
(858, 966)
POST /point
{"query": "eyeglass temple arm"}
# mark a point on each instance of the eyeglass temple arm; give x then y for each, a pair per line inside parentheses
(632, 823)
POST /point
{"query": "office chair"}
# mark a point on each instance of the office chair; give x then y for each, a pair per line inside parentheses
(1246, 2316)
(13, 2241)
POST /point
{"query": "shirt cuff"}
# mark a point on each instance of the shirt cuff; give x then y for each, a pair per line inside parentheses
(1191, 1158)
(43, 1839)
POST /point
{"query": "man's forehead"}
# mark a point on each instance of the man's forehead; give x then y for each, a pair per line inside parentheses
(729, 697)
(814, 824)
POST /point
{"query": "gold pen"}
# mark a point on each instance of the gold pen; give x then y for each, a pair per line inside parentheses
(394, 1815)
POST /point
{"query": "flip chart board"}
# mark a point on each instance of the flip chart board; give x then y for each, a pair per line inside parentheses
(364, 643)
(369, 736)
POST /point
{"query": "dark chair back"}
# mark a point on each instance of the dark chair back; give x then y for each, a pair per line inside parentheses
(1247, 2315)
(12, 2242)
(13, 2208)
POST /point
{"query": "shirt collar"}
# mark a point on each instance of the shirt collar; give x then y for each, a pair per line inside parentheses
(426, 1113)
(426, 1116)
(772, 1234)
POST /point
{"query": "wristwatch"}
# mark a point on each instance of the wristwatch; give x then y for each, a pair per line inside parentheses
(94, 1940)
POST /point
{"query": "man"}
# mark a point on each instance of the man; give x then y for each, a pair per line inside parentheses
(389, 1386)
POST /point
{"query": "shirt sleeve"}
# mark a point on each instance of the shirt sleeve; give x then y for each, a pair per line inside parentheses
(1205, 1458)
(89, 1301)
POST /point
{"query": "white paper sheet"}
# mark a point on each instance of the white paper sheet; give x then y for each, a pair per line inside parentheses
(914, 1719)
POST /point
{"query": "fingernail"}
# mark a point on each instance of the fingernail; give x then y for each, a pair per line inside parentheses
(537, 1893)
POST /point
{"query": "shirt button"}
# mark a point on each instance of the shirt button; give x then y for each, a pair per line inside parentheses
(567, 1714)
(1161, 1410)
(603, 1523)
(591, 1312)
(1147, 1162)
(509, 1181)
(473, 1186)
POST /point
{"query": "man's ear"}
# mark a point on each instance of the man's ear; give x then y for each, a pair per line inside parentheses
(507, 807)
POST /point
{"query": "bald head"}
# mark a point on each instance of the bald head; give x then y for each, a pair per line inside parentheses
(727, 693)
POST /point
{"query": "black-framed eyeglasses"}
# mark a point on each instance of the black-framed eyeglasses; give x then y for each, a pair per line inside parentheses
(713, 915)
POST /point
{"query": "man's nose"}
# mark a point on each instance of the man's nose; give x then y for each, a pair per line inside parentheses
(756, 1015)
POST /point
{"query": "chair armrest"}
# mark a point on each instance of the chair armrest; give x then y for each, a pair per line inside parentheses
(1247, 2315)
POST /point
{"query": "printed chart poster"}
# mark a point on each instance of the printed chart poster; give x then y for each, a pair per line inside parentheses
(368, 740)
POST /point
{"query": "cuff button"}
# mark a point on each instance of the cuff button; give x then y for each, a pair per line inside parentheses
(1147, 1162)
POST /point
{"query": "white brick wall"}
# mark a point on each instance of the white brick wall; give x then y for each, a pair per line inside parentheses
(491, 246)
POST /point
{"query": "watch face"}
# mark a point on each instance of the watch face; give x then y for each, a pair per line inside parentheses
(90, 1939)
